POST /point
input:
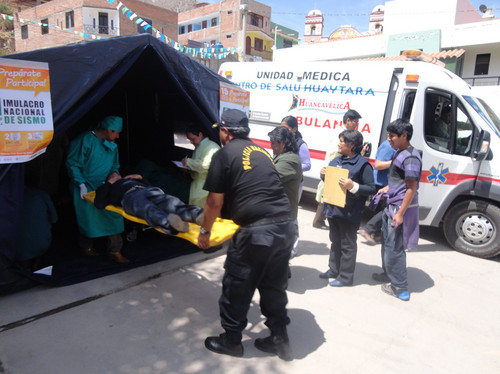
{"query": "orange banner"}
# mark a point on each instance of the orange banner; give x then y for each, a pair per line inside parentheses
(26, 126)
(21, 78)
(234, 95)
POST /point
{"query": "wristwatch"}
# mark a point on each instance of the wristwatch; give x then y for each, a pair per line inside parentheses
(203, 231)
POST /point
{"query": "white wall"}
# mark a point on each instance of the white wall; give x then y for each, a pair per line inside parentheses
(369, 46)
(477, 33)
(470, 59)
(403, 16)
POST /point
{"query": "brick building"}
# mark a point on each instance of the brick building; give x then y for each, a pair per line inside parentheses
(245, 25)
(60, 22)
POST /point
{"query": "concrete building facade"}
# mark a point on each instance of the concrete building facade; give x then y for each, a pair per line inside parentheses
(245, 25)
(59, 22)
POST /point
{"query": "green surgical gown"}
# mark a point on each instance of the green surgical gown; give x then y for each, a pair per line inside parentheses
(90, 161)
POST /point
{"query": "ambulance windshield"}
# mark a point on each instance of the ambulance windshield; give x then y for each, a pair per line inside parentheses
(485, 112)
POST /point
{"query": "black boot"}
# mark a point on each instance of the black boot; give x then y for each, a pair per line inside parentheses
(221, 344)
(275, 344)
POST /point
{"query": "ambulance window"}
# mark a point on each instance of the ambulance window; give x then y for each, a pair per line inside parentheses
(464, 132)
(437, 121)
(448, 128)
(409, 100)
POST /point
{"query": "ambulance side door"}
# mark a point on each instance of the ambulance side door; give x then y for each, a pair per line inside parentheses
(448, 169)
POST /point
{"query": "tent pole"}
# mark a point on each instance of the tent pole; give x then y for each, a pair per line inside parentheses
(128, 128)
(4, 173)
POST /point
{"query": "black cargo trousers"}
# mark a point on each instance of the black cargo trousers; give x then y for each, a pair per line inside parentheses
(257, 258)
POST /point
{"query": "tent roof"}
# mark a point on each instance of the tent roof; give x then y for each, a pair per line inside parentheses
(83, 73)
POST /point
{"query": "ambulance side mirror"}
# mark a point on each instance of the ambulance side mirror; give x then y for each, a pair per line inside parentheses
(481, 148)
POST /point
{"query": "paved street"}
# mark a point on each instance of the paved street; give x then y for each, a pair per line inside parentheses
(154, 319)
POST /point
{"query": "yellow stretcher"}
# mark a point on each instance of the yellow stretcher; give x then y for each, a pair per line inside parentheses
(222, 229)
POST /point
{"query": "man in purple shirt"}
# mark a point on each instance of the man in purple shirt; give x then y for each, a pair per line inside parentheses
(400, 227)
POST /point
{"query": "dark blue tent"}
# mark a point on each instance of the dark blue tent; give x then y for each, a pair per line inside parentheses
(156, 89)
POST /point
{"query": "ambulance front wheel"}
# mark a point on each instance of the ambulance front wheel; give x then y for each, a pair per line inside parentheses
(472, 227)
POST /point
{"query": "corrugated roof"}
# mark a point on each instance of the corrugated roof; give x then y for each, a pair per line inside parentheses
(452, 53)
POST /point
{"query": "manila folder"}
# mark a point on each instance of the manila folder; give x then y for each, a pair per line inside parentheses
(334, 194)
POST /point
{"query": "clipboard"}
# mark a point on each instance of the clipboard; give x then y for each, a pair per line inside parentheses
(334, 194)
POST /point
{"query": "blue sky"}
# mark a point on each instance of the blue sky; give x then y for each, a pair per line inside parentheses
(292, 13)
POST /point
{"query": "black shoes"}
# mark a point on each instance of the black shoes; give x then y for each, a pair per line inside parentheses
(381, 277)
(327, 274)
(276, 345)
(220, 344)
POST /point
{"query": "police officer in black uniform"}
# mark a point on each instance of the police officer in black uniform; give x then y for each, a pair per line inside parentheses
(242, 177)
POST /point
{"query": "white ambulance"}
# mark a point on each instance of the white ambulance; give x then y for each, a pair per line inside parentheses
(460, 185)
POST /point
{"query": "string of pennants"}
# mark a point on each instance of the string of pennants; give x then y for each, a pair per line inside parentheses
(218, 53)
(206, 53)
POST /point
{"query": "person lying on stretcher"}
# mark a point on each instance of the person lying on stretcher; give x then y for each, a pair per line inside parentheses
(141, 200)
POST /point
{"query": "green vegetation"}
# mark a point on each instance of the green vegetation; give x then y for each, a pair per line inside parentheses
(7, 45)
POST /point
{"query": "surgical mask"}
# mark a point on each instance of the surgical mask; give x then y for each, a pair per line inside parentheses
(110, 145)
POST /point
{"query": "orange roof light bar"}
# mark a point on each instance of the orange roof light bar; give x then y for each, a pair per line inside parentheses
(413, 78)
(416, 55)
(412, 53)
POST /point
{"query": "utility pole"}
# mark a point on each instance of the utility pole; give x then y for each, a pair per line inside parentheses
(275, 46)
(243, 29)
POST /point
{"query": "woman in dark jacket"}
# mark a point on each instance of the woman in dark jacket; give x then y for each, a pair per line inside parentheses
(288, 165)
(344, 222)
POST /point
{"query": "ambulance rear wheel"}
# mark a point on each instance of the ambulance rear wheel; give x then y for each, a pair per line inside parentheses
(472, 227)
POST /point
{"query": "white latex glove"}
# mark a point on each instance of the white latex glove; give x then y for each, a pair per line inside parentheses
(83, 190)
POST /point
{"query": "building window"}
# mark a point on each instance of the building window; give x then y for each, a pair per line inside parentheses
(190, 28)
(287, 43)
(204, 24)
(103, 23)
(213, 22)
(482, 64)
(70, 19)
(24, 32)
(313, 30)
(45, 26)
(259, 43)
(256, 20)
(142, 30)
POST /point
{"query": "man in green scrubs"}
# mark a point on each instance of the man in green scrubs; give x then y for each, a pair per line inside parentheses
(92, 157)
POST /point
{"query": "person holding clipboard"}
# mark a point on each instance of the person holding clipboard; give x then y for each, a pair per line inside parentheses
(198, 164)
(348, 182)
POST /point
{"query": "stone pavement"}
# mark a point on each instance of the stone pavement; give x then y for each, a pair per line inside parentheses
(154, 319)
